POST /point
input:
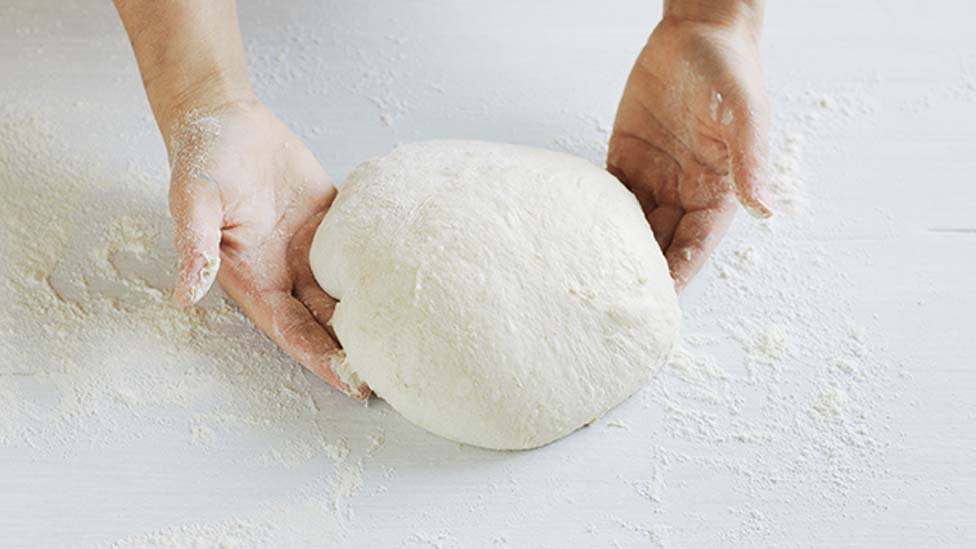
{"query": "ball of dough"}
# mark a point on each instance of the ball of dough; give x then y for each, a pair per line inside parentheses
(496, 295)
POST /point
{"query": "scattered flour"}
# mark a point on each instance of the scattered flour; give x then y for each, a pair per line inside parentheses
(110, 352)
(303, 523)
(233, 534)
(737, 395)
(764, 341)
(731, 369)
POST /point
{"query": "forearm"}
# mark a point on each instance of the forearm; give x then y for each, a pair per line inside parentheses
(189, 53)
(741, 13)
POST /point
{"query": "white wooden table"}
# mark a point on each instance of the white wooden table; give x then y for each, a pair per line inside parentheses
(825, 396)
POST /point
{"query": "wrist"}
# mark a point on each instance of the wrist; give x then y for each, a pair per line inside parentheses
(190, 55)
(736, 15)
(173, 96)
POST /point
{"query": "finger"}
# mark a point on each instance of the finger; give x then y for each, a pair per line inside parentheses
(306, 288)
(645, 199)
(293, 327)
(319, 303)
(300, 335)
(664, 220)
(197, 215)
(648, 171)
(747, 142)
(695, 238)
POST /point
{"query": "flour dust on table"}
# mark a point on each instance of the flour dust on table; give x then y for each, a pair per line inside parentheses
(496, 295)
(794, 406)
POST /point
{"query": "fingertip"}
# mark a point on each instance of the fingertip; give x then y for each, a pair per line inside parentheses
(679, 263)
(363, 392)
(750, 174)
(757, 209)
(346, 379)
(294, 328)
(696, 237)
(679, 284)
(196, 276)
(750, 191)
(195, 208)
(748, 182)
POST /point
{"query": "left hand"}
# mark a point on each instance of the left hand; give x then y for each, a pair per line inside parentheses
(691, 136)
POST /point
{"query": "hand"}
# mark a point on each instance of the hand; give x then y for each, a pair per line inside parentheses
(691, 135)
(246, 197)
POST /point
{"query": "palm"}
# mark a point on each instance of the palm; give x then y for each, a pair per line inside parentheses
(250, 176)
(690, 136)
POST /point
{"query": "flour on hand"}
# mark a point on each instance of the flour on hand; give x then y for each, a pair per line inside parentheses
(496, 295)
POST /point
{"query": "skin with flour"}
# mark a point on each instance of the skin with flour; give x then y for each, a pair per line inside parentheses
(246, 194)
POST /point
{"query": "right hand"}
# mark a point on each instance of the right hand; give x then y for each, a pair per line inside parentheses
(246, 196)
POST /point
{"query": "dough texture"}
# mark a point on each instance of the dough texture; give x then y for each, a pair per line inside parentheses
(496, 295)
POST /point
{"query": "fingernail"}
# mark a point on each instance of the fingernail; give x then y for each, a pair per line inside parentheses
(758, 210)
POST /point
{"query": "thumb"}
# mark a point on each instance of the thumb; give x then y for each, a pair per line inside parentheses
(748, 147)
(197, 216)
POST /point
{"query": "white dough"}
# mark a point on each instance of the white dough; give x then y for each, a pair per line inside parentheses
(493, 294)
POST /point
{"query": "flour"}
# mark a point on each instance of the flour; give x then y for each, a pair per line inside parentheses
(115, 297)
(651, 489)
(303, 523)
(820, 430)
(776, 393)
(615, 423)
(116, 294)
(233, 534)
(119, 290)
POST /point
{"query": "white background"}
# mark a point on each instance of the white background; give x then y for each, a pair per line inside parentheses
(826, 397)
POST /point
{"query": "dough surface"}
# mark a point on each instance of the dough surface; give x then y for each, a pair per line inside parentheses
(496, 295)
